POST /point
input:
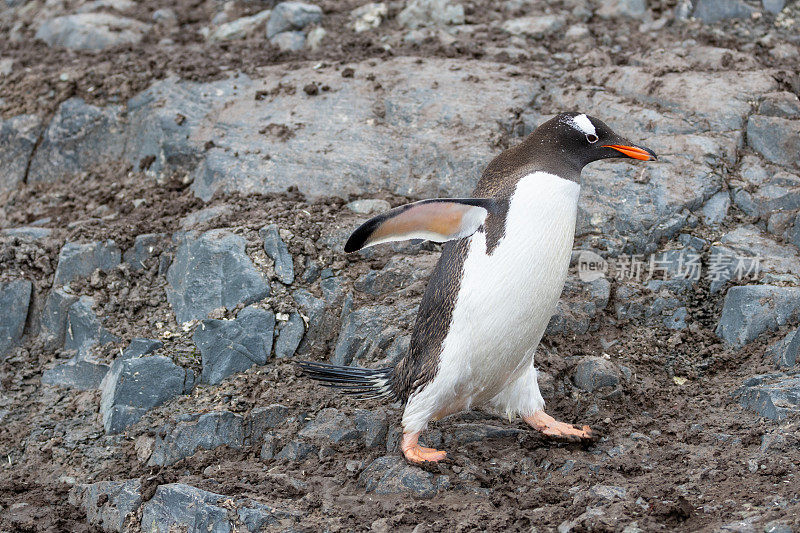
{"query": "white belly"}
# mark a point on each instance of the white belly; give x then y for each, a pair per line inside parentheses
(505, 301)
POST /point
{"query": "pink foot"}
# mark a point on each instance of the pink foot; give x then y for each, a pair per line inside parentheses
(415, 453)
(558, 430)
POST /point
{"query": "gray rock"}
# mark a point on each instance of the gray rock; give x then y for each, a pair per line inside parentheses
(291, 41)
(398, 273)
(207, 432)
(368, 206)
(166, 16)
(750, 310)
(368, 332)
(330, 425)
(777, 139)
(181, 507)
(211, 270)
(78, 137)
(239, 28)
(134, 386)
(580, 303)
(120, 499)
(593, 373)
(76, 374)
(368, 16)
(140, 347)
(261, 419)
(717, 10)
(785, 352)
(392, 475)
(277, 250)
(290, 335)
(80, 260)
(677, 319)
(289, 16)
(269, 447)
(91, 31)
(781, 104)
(257, 516)
(537, 27)
(773, 396)
(422, 13)
(84, 329)
(773, 6)
(54, 317)
(207, 214)
(145, 247)
(296, 451)
(373, 427)
(230, 346)
(635, 9)
(28, 233)
(716, 208)
(777, 526)
(322, 326)
(18, 136)
(15, 297)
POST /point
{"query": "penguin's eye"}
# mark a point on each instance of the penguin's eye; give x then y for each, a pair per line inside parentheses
(591, 137)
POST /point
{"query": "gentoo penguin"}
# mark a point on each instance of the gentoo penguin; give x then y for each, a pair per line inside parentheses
(495, 287)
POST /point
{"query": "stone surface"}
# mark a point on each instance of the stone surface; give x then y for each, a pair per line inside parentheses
(76, 374)
(292, 16)
(15, 297)
(136, 385)
(18, 136)
(786, 352)
(211, 270)
(392, 475)
(399, 272)
(261, 419)
(209, 431)
(54, 317)
(579, 304)
(78, 137)
(277, 250)
(716, 208)
(373, 427)
(230, 346)
(91, 31)
(330, 425)
(140, 347)
(777, 139)
(239, 28)
(367, 333)
(109, 503)
(289, 41)
(368, 206)
(145, 247)
(28, 233)
(537, 27)
(717, 10)
(593, 373)
(80, 260)
(780, 104)
(296, 451)
(290, 335)
(177, 506)
(750, 310)
(422, 13)
(635, 9)
(773, 6)
(773, 396)
(369, 16)
(83, 328)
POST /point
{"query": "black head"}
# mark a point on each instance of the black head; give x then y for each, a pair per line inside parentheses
(574, 140)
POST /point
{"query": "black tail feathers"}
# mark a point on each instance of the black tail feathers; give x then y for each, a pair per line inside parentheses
(361, 383)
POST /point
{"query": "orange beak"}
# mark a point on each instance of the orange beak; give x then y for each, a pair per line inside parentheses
(634, 152)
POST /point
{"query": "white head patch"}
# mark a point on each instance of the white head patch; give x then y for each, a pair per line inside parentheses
(583, 124)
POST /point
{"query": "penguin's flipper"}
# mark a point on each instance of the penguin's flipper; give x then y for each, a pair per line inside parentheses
(438, 220)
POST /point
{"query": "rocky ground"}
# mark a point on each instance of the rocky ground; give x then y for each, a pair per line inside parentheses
(177, 183)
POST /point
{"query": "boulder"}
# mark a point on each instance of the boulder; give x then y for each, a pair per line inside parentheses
(750, 310)
(108, 503)
(392, 475)
(54, 317)
(593, 373)
(76, 374)
(777, 139)
(367, 333)
(537, 27)
(290, 335)
(717, 10)
(209, 431)
(91, 31)
(330, 425)
(78, 137)
(773, 396)
(84, 329)
(136, 385)
(15, 297)
(291, 41)
(18, 137)
(145, 247)
(80, 260)
(230, 346)
(211, 270)
(239, 28)
(277, 250)
(423, 13)
(182, 507)
(635, 9)
(292, 16)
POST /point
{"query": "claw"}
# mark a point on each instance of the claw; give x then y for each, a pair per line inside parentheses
(551, 427)
(415, 453)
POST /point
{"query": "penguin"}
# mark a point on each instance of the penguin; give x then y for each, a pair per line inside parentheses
(494, 289)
